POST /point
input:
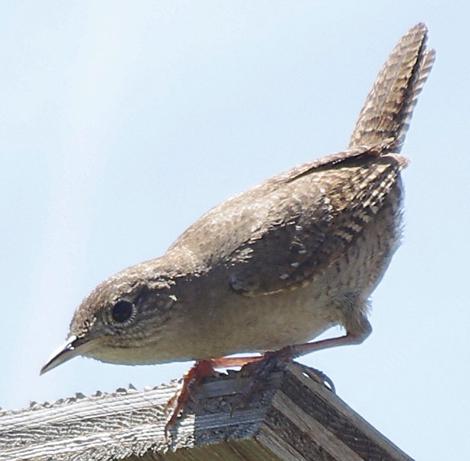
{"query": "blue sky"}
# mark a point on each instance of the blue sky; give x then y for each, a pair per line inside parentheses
(122, 122)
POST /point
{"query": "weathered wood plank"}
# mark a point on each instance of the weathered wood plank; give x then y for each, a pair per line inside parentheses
(293, 418)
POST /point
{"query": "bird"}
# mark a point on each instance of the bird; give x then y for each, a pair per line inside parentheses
(269, 270)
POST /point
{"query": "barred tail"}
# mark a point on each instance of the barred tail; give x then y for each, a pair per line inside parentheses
(385, 117)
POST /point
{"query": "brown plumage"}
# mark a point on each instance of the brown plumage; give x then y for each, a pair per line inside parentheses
(277, 265)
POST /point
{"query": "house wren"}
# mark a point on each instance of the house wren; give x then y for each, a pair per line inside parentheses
(276, 266)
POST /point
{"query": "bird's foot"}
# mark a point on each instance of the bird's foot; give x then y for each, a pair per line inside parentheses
(197, 373)
(258, 368)
(318, 376)
(259, 371)
(311, 372)
(200, 370)
(269, 362)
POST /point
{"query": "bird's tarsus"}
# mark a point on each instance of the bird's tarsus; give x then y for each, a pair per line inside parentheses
(200, 370)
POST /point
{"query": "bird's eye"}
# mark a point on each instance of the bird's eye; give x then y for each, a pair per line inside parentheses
(122, 311)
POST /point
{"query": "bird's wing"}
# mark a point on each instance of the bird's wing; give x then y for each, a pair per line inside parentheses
(387, 111)
(308, 222)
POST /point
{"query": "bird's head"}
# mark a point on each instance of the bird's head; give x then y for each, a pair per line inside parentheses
(118, 321)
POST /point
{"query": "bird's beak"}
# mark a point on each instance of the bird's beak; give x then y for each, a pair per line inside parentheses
(67, 351)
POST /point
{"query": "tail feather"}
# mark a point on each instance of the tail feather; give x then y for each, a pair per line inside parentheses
(386, 114)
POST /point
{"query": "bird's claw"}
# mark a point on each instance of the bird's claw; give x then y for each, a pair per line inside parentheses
(200, 370)
(319, 376)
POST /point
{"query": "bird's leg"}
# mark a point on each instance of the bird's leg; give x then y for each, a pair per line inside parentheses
(200, 370)
(229, 362)
(262, 366)
(355, 334)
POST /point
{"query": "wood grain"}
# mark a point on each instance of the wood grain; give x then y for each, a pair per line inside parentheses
(292, 418)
